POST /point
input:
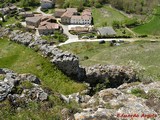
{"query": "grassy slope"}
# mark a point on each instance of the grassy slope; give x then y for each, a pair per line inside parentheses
(25, 60)
(152, 27)
(146, 54)
(109, 15)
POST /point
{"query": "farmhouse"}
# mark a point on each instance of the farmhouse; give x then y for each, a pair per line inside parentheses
(106, 31)
(71, 17)
(48, 28)
(44, 24)
(46, 4)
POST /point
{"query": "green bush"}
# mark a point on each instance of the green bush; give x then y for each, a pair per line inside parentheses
(97, 5)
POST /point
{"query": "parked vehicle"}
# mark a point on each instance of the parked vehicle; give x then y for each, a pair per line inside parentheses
(102, 42)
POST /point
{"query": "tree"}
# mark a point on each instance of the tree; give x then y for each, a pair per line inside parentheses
(80, 7)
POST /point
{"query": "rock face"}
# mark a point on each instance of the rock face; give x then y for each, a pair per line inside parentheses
(65, 61)
(116, 75)
(20, 87)
(116, 104)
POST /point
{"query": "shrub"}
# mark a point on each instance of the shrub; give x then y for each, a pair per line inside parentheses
(86, 57)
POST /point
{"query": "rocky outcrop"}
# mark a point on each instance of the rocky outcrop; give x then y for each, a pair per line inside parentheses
(121, 103)
(115, 75)
(20, 87)
(65, 61)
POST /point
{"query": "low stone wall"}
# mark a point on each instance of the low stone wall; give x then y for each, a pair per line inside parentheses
(68, 63)
(65, 61)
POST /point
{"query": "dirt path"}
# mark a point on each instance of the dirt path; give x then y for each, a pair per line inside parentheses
(131, 31)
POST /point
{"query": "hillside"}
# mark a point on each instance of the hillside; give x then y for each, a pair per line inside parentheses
(25, 60)
(46, 73)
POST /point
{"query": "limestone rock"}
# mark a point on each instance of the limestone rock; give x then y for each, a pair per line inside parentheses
(116, 75)
(5, 89)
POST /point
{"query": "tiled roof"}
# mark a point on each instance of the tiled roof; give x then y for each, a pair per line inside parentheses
(67, 14)
(33, 19)
(47, 25)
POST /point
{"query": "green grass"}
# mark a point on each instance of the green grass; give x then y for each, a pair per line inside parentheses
(106, 15)
(10, 21)
(24, 60)
(144, 53)
(152, 27)
(123, 31)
